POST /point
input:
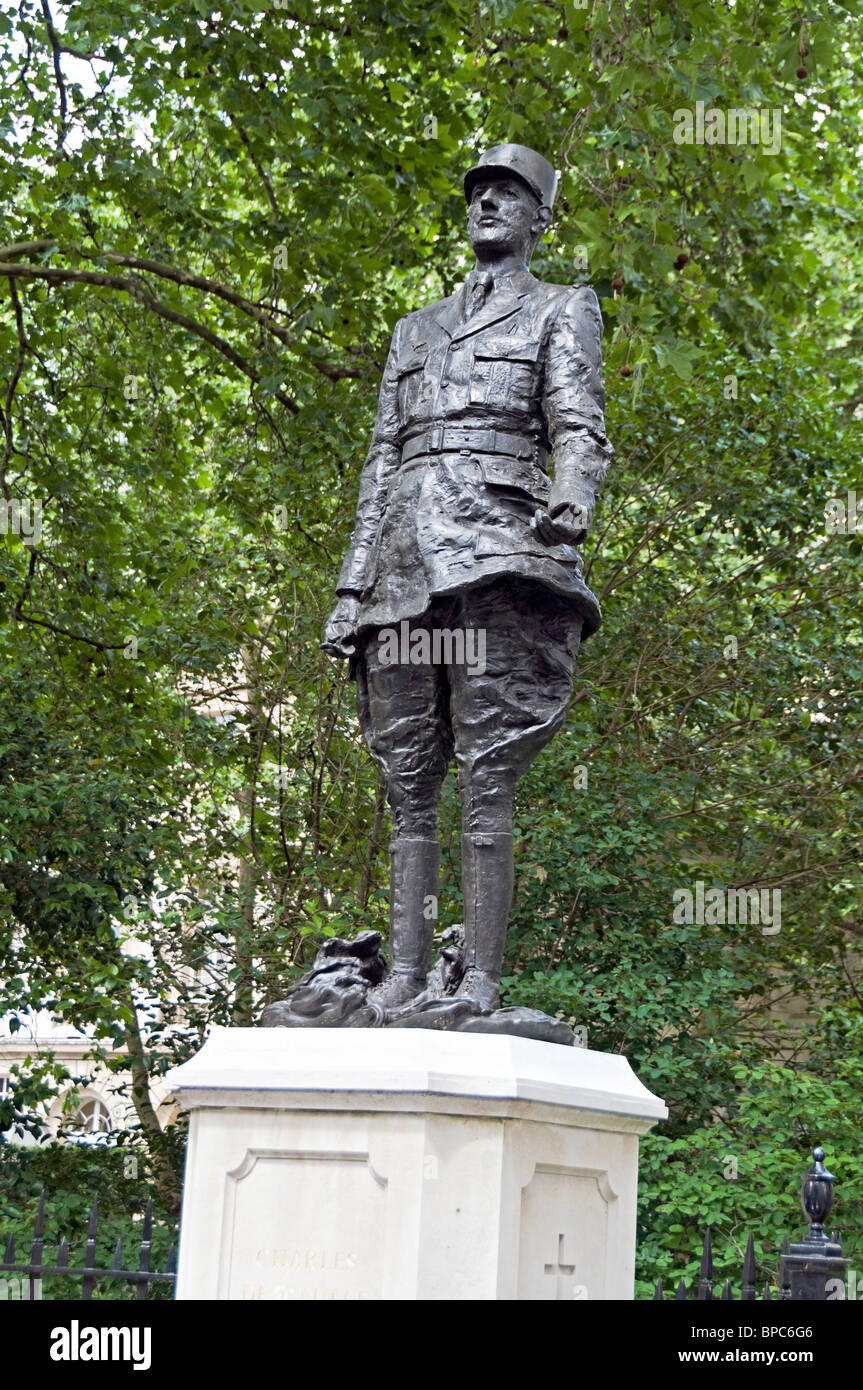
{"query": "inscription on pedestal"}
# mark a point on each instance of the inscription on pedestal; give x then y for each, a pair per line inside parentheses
(279, 1226)
(293, 1267)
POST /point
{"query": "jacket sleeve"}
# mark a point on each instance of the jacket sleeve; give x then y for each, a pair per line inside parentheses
(573, 404)
(383, 459)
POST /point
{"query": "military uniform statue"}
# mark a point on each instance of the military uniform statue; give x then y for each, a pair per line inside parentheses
(461, 599)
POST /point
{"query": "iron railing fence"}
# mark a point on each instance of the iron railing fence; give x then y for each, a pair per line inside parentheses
(35, 1269)
(811, 1270)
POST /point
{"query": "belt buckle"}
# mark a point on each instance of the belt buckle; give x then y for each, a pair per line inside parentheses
(433, 442)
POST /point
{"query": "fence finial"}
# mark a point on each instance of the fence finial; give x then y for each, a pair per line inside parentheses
(747, 1293)
(817, 1197)
(705, 1276)
(809, 1268)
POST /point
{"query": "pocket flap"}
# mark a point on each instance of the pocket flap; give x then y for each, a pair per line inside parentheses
(413, 363)
(498, 543)
(507, 349)
(499, 470)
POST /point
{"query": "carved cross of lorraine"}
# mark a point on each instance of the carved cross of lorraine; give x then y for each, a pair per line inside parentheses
(561, 1270)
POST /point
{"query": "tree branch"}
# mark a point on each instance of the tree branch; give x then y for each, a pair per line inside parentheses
(189, 280)
(58, 71)
(58, 275)
(11, 387)
(277, 213)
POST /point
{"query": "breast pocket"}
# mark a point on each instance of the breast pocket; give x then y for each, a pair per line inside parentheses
(505, 373)
(412, 384)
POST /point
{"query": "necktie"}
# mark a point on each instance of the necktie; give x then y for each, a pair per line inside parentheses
(479, 285)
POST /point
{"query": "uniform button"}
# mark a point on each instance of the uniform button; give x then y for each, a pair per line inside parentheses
(454, 347)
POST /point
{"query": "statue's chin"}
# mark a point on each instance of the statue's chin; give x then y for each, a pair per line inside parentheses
(489, 241)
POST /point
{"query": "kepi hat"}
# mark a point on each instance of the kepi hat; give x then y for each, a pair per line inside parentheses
(520, 161)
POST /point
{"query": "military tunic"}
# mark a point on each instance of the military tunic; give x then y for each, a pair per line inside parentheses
(469, 412)
(471, 407)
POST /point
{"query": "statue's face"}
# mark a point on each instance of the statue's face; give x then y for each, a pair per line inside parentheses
(504, 217)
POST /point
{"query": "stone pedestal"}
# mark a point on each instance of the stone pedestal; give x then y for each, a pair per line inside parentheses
(407, 1164)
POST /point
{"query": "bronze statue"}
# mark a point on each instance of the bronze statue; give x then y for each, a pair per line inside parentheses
(461, 601)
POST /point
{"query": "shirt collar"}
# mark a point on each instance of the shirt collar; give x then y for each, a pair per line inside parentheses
(500, 281)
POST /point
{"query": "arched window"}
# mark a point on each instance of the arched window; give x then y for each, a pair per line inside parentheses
(91, 1117)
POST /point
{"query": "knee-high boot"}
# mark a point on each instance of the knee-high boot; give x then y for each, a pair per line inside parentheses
(413, 879)
(487, 877)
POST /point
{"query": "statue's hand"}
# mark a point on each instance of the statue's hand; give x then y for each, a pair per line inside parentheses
(568, 527)
(340, 632)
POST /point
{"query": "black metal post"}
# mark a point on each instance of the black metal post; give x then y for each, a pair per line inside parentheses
(810, 1265)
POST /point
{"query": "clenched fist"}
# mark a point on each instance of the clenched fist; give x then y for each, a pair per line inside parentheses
(568, 526)
(340, 632)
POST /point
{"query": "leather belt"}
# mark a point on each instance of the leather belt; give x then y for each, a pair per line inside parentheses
(453, 439)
